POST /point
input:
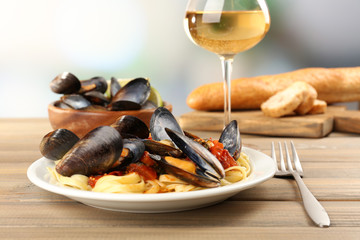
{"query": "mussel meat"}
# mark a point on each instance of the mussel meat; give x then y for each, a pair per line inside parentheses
(94, 84)
(195, 178)
(204, 159)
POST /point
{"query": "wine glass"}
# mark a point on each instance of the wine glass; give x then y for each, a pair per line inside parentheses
(227, 27)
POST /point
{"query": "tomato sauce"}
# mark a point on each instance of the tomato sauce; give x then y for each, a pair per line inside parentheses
(222, 155)
(148, 173)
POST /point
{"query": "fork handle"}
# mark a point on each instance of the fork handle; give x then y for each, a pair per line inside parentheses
(312, 206)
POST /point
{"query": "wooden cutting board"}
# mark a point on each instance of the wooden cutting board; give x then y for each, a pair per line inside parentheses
(254, 122)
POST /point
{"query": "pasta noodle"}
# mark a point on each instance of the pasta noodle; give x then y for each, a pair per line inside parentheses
(134, 183)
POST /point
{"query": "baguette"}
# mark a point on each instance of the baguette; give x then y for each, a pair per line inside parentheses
(286, 101)
(309, 98)
(331, 84)
(318, 107)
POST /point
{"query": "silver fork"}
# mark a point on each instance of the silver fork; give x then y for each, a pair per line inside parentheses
(313, 208)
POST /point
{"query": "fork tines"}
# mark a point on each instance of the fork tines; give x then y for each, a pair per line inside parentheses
(286, 169)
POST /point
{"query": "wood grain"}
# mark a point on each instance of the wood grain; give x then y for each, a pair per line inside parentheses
(271, 210)
(337, 118)
(348, 121)
(255, 122)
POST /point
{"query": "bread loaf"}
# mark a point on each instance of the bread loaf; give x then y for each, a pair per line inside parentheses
(298, 98)
(318, 107)
(332, 85)
(309, 98)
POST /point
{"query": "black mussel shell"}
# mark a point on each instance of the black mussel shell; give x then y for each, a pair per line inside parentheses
(230, 138)
(194, 179)
(96, 97)
(131, 126)
(65, 83)
(94, 154)
(149, 105)
(57, 143)
(114, 86)
(62, 105)
(204, 159)
(162, 118)
(134, 148)
(131, 96)
(123, 106)
(94, 84)
(161, 149)
(75, 101)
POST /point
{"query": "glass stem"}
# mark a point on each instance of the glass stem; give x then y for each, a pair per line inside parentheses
(226, 63)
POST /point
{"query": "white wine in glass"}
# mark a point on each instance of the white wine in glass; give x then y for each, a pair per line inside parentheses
(227, 27)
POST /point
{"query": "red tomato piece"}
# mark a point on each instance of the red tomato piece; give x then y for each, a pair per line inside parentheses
(146, 172)
(222, 155)
(147, 160)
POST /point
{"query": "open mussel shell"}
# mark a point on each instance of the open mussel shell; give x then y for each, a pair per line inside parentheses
(65, 83)
(136, 149)
(62, 105)
(95, 153)
(132, 96)
(96, 97)
(114, 87)
(75, 101)
(162, 118)
(194, 179)
(230, 138)
(204, 159)
(94, 84)
(131, 126)
(133, 150)
(162, 149)
(57, 143)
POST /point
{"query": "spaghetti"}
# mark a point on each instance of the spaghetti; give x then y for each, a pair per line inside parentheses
(133, 182)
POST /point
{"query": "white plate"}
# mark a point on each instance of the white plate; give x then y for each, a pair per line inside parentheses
(263, 168)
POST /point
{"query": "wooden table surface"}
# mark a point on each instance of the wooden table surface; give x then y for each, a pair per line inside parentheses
(271, 210)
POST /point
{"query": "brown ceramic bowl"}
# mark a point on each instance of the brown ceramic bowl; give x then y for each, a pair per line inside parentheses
(81, 122)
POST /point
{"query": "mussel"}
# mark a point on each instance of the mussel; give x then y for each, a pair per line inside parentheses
(130, 126)
(132, 96)
(114, 87)
(133, 150)
(65, 83)
(75, 101)
(95, 153)
(162, 149)
(94, 84)
(230, 138)
(57, 143)
(195, 178)
(198, 154)
(162, 118)
(96, 97)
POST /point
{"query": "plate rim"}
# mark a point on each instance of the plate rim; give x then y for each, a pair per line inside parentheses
(165, 197)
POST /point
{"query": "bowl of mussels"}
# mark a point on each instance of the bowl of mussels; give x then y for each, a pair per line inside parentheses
(87, 104)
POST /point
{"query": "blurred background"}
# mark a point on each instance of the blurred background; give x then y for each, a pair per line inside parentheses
(142, 38)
